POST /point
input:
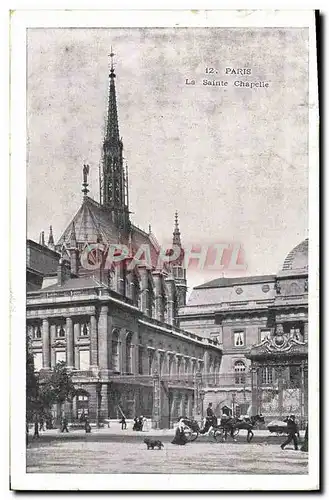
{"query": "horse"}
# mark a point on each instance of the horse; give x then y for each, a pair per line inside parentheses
(234, 425)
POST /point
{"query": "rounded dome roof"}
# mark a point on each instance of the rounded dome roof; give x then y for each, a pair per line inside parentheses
(297, 258)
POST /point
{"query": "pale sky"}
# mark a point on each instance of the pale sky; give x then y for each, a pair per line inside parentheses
(232, 161)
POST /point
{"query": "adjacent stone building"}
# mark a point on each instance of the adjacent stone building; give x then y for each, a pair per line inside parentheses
(261, 324)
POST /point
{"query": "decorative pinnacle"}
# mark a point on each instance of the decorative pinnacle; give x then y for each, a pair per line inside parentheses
(85, 184)
(176, 233)
(73, 238)
(51, 242)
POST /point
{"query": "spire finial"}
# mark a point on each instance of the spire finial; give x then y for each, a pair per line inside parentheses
(176, 233)
(150, 229)
(85, 184)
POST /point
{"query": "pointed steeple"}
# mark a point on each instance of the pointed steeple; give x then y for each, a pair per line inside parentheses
(51, 242)
(73, 237)
(176, 234)
(113, 182)
(112, 126)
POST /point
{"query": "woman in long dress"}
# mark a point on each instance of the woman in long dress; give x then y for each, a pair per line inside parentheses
(180, 437)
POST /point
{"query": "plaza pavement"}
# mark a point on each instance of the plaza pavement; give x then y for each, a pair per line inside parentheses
(110, 451)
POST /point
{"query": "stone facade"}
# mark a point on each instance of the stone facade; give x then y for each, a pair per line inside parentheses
(241, 313)
(116, 352)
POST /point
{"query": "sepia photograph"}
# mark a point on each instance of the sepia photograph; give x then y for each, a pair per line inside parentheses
(168, 324)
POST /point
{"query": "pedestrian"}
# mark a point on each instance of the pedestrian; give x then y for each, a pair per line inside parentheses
(64, 424)
(42, 424)
(293, 432)
(123, 423)
(140, 423)
(304, 446)
(27, 433)
(180, 437)
(87, 425)
(36, 428)
(136, 424)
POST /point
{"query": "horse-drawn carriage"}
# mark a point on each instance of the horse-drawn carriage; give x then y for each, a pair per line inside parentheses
(278, 427)
(220, 431)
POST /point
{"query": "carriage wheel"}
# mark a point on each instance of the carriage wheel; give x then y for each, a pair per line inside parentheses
(194, 436)
(219, 436)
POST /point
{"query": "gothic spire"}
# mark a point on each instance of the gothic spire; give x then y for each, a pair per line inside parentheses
(51, 243)
(112, 126)
(176, 234)
(113, 182)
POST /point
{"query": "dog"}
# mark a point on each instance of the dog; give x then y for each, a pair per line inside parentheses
(153, 443)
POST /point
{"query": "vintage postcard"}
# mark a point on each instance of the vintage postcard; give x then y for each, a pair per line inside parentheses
(166, 335)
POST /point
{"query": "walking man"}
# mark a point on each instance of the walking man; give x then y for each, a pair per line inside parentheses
(293, 432)
(123, 423)
(64, 424)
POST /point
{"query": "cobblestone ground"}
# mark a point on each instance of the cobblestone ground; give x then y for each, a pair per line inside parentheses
(119, 456)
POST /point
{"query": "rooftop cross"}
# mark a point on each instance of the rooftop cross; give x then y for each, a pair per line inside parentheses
(111, 55)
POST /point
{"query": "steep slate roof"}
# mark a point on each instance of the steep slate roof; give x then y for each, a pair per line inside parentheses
(93, 220)
(224, 282)
(74, 283)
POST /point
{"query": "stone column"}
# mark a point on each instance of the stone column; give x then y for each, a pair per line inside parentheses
(76, 329)
(103, 349)
(93, 342)
(69, 343)
(52, 340)
(206, 367)
(156, 416)
(254, 391)
(197, 397)
(134, 353)
(45, 344)
(104, 402)
(280, 390)
(122, 350)
(189, 405)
